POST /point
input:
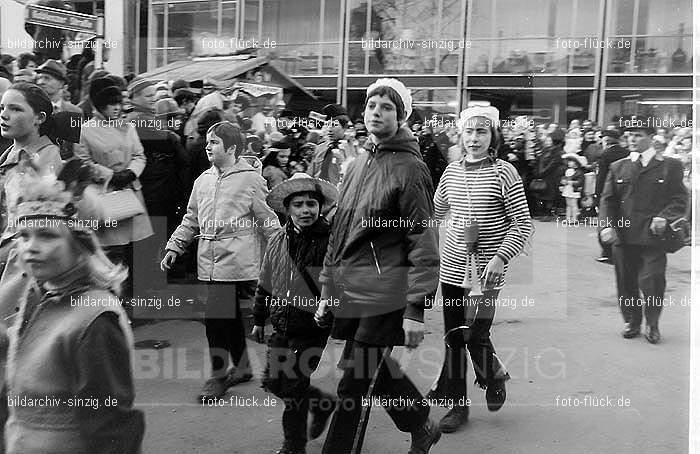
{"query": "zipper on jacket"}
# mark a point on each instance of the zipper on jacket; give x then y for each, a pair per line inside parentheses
(376, 261)
(213, 243)
(361, 180)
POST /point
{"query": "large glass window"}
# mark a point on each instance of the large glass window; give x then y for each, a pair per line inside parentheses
(405, 36)
(251, 21)
(190, 25)
(307, 34)
(659, 36)
(539, 36)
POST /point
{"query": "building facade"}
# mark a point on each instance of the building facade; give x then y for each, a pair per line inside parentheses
(553, 60)
(550, 59)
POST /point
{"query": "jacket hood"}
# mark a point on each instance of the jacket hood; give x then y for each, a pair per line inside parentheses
(403, 141)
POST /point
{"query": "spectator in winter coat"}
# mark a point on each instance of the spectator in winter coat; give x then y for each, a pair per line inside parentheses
(591, 149)
(612, 152)
(275, 164)
(112, 148)
(550, 169)
(431, 154)
(330, 155)
(287, 292)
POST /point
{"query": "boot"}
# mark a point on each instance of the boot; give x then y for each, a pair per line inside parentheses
(288, 448)
(424, 438)
(457, 417)
(496, 394)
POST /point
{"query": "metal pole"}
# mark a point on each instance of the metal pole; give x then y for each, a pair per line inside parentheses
(99, 41)
(598, 82)
(604, 57)
(321, 25)
(149, 38)
(341, 95)
(463, 56)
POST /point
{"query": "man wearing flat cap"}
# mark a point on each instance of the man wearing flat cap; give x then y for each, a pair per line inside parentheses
(643, 194)
(52, 77)
(383, 274)
(329, 157)
(612, 151)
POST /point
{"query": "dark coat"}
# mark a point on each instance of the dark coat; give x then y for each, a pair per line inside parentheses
(433, 157)
(167, 174)
(578, 179)
(299, 255)
(633, 195)
(381, 269)
(609, 156)
(550, 168)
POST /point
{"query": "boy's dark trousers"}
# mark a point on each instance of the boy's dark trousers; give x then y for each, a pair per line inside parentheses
(452, 383)
(360, 361)
(225, 328)
(290, 362)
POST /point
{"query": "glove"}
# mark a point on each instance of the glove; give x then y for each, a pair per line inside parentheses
(122, 179)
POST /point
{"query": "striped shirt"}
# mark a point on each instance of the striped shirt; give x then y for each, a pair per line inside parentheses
(484, 183)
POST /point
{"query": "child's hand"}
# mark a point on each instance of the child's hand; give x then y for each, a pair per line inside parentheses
(322, 315)
(168, 260)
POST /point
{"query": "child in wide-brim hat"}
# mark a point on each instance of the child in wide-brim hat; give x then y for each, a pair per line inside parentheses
(288, 293)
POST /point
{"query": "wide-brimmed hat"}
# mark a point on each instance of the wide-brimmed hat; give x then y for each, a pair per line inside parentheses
(53, 68)
(580, 159)
(302, 182)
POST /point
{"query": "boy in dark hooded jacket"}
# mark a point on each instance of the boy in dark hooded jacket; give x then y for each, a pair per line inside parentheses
(287, 293)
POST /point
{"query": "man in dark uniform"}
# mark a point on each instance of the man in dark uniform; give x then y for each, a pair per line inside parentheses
(612, 151)
(643, 194)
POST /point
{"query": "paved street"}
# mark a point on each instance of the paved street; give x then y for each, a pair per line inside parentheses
(557, 331)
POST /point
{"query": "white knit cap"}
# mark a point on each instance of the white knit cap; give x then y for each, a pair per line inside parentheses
(489, 112)
(398, 86)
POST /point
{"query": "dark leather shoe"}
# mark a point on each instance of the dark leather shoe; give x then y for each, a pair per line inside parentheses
(213, 388)
(631, 331)
(457, 417)
(496, 394)
(288, 449)
(235, 377)
(424, 438)
(652, 334)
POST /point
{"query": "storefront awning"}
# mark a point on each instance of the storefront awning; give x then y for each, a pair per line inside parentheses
(226, 72)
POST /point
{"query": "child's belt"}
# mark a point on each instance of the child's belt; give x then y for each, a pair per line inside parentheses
(225, 236)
